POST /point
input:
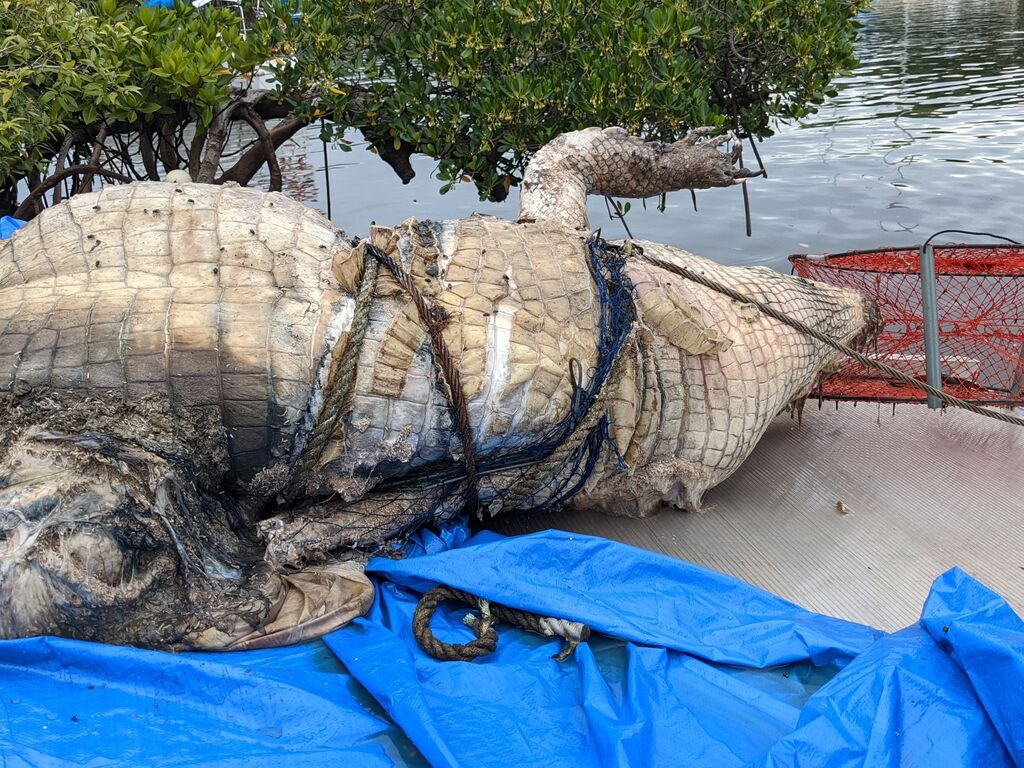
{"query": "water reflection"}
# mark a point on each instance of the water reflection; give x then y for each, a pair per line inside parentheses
(927, 133)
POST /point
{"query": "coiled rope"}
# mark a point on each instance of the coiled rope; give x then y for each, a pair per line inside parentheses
(847, 350)
(486, 639)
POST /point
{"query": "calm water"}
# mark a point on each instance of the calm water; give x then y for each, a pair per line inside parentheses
(926, 134)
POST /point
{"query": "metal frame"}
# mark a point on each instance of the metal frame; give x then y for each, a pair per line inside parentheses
(930, 318)
(929, 300)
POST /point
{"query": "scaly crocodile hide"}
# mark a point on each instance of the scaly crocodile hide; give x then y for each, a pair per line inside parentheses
(166, 351)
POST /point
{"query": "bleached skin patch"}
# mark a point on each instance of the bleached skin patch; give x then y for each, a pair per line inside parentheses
(341, 322)
(497, 368)
(447, 239)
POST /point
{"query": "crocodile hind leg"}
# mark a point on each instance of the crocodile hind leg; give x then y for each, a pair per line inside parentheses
(318, 531)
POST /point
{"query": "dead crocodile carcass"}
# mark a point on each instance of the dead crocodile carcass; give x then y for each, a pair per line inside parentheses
(215, 401)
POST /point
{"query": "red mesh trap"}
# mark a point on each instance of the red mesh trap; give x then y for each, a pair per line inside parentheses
(980, 292)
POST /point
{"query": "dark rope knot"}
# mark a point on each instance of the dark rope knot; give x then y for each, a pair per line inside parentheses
(486, 639)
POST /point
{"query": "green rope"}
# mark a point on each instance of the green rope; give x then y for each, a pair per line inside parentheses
(340, 382)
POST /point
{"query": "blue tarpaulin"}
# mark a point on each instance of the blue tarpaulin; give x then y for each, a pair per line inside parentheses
(9, 225)
(689, 667)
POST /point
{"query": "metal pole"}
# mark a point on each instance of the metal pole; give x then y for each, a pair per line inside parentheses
(932, 353)
(327, 170)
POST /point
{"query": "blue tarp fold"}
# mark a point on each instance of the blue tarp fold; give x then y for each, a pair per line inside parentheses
(636, 595)
(9, 225)
(693, 668)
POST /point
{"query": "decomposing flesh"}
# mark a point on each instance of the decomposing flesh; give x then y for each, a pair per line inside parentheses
(166, 352)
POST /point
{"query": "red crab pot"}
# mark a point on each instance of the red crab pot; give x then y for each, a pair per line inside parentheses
(980, 302)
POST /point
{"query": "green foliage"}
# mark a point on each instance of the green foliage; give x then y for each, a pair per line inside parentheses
(66, 66)
(186, 59)
(478, 85)
(52, 59)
